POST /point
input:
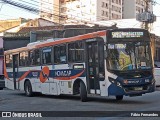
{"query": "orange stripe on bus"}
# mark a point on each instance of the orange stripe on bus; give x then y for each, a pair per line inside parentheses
(58, 78)
(26, 73)
(5, 72)
(76, 38)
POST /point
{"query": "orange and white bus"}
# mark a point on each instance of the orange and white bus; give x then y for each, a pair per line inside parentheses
(106, 63)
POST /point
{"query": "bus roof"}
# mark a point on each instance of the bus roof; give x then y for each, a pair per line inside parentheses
(15, 50)
(71, 39)
(50, 42)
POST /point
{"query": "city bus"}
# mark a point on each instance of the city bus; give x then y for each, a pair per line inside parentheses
(116, 62)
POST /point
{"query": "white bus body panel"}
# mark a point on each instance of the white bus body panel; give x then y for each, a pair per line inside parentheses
(65, 87)
(53, 88)
(9, 84)
(104, 85)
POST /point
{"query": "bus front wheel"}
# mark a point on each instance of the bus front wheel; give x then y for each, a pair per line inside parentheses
(28, 89)
(83, 92)
(119, 97)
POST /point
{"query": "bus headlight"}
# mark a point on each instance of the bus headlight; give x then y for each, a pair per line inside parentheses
(119, 84)
(114, 81)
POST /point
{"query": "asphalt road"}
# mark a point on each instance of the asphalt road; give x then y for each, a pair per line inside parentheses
(17, 101)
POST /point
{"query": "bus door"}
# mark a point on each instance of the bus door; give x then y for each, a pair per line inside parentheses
(93, 63)
(15, 71)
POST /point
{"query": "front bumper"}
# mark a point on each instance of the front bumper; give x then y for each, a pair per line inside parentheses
(131, 90)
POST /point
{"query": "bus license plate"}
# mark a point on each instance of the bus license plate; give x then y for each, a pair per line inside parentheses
(138, 88)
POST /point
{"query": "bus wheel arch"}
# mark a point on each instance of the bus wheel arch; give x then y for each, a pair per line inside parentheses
(76, 86)
(79, 87)
(83, 92)
(28, 88)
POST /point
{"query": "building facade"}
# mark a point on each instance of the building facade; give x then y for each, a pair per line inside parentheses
(68, 11)
(49, 9)
(133, 7)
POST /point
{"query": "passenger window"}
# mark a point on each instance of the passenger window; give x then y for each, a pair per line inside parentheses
(76, 52)
(34, 57)
(46, 55)
(60, 54)
(31, 57)
(8, 60)
(37, 57)
(24, 59)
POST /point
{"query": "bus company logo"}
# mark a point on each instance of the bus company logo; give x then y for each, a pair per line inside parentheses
(44, 74)
(134, 81)
(131, 81)
(63, 73)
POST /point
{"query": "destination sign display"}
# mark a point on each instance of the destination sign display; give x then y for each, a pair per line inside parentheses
(122, 34)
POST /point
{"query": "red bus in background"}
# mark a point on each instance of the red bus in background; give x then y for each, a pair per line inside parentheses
(2, 83)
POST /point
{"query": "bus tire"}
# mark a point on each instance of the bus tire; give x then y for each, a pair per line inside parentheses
(119, 97)
(28, 89)
(83, 92)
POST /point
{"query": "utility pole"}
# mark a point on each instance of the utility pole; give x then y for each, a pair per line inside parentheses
(146, 10)
(146, 17)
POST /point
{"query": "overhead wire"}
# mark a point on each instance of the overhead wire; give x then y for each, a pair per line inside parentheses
(26, 7)
(44, 9)
(73, 17)
(70, 9)
(60, 16)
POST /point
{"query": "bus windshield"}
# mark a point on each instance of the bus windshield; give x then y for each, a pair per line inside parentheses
(129, 56)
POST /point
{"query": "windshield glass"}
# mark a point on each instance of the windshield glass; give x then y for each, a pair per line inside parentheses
(129, 56)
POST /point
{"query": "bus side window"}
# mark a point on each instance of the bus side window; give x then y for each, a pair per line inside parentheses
(56, 54)
(8, 59)
(63, 54)
(31, 58)
(60, 54)
(76, 52)
(46, 55)
(71, 52)
(23, 59)
(34, 57)
(37, 57)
